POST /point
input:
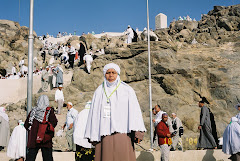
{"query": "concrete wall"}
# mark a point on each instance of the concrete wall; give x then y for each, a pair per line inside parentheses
(14, 90)
(190, 155)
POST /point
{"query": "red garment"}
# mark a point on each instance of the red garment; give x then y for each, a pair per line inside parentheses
(32, 134)
(162, 130)
(76, 56)
(45, 130)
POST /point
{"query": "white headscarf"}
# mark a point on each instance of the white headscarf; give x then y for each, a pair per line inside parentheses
(231, 139)
(125, 115)
(3, 114)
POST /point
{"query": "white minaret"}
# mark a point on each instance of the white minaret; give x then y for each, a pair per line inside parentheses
(161, 21)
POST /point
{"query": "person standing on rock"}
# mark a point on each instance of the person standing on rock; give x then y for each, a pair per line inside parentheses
(59, 79)
(176, 124)
(164, 137)
(206, 139)
(71, 53)
(84, 149)
(115, 119)
(4, 128)
(130, 34)
(81, 53)
(59, 98)
(70, 119)
(88, 62)
(45, 79)
(17, 143)
(40, 137)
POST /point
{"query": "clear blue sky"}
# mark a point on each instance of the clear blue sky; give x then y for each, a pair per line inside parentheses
(53, 16)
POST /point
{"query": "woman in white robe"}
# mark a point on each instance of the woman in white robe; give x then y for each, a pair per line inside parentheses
(17, 143)
(115, 119)
(4, 128)
(231, 140)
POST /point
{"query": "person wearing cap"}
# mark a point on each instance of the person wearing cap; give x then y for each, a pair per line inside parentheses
(59, 98)
(17, 143)
(176, 124)
(130, 34)
(206, 139)
(164, 137)
(70, 120)
(4, 128)
(115, 119)
(45, 79)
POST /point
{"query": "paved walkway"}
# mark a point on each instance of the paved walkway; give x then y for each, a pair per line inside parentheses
(190, 155)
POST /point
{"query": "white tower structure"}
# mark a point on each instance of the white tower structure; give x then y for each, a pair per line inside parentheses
(161, 21)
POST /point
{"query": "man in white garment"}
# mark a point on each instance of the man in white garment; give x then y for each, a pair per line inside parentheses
(158, 118)
(17, 143)
(70, 119)
(71, 53)
(59, 98)
(130, 34)
(87, 59)
(13, 69)
(82, 144)
(24, 70)
(176, 140)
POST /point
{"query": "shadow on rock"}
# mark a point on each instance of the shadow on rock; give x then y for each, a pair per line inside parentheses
(145, 156)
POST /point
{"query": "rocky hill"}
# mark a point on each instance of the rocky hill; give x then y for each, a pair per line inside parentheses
(14, 44)
(182, 71)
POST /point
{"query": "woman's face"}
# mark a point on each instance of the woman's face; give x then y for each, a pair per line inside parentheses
(111, 75)
(238, 108)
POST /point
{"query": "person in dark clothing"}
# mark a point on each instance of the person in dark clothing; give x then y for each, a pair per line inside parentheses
(37, 118)
(206, 139)
(81, 53)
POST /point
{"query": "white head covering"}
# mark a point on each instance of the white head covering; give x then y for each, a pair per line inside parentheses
(231, 137)
(114, 83)
(122, 114)
(3, 114)
(70, 103)
(111, 66)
